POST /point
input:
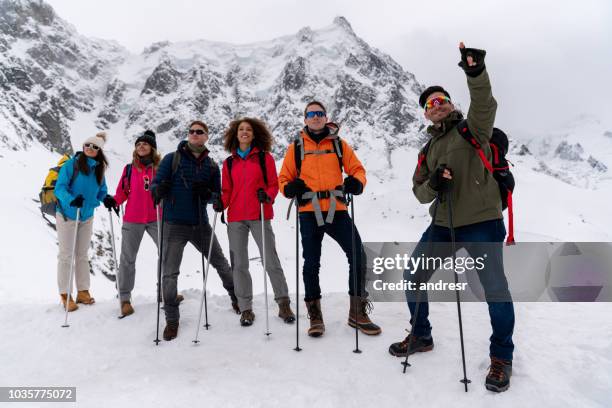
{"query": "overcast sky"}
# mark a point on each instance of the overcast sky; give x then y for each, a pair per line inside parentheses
(550, 61)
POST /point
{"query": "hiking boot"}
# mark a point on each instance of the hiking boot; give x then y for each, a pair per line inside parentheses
(417, 345)
(71, 305)
(179, 298)
(247, 317)
(498, 378)
(284, 310)
(84, 297)
(317, 327)
(360, 307)
(171, 330)
(126, 308)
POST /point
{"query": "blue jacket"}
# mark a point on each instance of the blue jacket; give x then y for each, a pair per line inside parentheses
(86, 185)
(182, 207)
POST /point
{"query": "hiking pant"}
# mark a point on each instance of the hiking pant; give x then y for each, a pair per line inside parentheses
(238, 233)
(492, 278)
(131, 237)
(340, 230)
(65, 237)
(176, 236)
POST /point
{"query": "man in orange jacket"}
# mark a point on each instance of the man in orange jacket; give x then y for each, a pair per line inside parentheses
(312, 174)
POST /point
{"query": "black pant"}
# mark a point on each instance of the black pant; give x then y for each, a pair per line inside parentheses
(176, 236)
(340, 231)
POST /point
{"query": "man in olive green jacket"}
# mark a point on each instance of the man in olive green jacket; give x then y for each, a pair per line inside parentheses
(451, 174)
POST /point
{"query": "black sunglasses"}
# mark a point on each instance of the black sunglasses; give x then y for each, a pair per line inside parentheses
(196, 131)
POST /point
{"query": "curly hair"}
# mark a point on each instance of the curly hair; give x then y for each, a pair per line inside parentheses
(262, 138)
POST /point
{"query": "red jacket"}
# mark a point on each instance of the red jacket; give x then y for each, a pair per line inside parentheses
(139, 208)
(239, 192)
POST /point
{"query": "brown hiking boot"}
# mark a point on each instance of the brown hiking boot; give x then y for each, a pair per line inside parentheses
(284, 310)
(500, 371)
(171, 330)
(247, 318)
(317, 327)
(235, 307)
(84, 297)
(179, 298)
(358, 316)
(71, 305)
(126, 308)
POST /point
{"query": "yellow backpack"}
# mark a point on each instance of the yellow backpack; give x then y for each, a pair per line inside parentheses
(48, 201)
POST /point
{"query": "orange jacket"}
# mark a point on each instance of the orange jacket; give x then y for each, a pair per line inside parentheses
(321, 172)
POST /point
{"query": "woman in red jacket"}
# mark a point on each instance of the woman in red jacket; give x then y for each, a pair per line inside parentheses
(249, 179)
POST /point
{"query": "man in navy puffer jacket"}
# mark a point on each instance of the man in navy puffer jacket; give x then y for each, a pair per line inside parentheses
(185, 191)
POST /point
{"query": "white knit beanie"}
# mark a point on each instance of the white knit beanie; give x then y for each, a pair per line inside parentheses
(99, 139)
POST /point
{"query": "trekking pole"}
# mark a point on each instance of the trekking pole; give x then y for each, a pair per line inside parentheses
(160, 243)
(465, 380)
(297, 276)
(110, 219)
(203, 300)
(69, 288)
(418, 282)
(354, 261)
(263, 259)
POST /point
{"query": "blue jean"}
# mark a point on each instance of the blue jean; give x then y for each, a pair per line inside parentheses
(492, 278)
(341, 232)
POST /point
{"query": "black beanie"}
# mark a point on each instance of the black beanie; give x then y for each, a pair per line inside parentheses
(425, 94)
(148, 137)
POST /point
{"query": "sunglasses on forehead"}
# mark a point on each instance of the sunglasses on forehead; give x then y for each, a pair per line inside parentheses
(198, 132)
(312, 114)
(437, 101)
(91, 146)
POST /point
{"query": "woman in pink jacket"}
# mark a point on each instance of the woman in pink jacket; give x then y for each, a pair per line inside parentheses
(140, 213)
(249, 179)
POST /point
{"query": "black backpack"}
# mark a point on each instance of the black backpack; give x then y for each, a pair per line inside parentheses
(500, 167)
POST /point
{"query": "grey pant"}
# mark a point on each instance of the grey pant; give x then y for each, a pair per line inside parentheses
(131, 237)
(238, 233)
(65, 237)
(176, 236)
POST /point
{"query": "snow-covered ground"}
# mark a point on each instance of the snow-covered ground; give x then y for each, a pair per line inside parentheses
(563, 357)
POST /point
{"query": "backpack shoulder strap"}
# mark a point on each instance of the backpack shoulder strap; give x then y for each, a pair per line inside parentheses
(298, 153)
(127, 175)
(423, 155)
(337, 142)
(176, 161)
(466, 134)
(262, 164)
(75, 170)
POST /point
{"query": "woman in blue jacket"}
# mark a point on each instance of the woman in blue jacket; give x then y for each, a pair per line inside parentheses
(80, 184)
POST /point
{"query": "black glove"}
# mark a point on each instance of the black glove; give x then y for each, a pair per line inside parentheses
(77, 202)
(217, 205)
(478, 57)
(263, 197)
(109, 202)
(162, 191)
(352, 186)
(201, 189)
(438, 182)
(295, 188)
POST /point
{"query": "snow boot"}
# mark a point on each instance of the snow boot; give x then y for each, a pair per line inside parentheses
(179, 298)
(317, 327)
(247, 317)
(171, 330)
(360, 307)
(126, 308)
(71, 305)
(234, 303)
(498, 378)
(284, 310)
(84, 297)
(417, 345)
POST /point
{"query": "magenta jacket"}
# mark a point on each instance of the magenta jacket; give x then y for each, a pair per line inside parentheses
(139, 208)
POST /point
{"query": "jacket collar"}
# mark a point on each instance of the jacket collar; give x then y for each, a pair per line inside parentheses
(447, 124)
